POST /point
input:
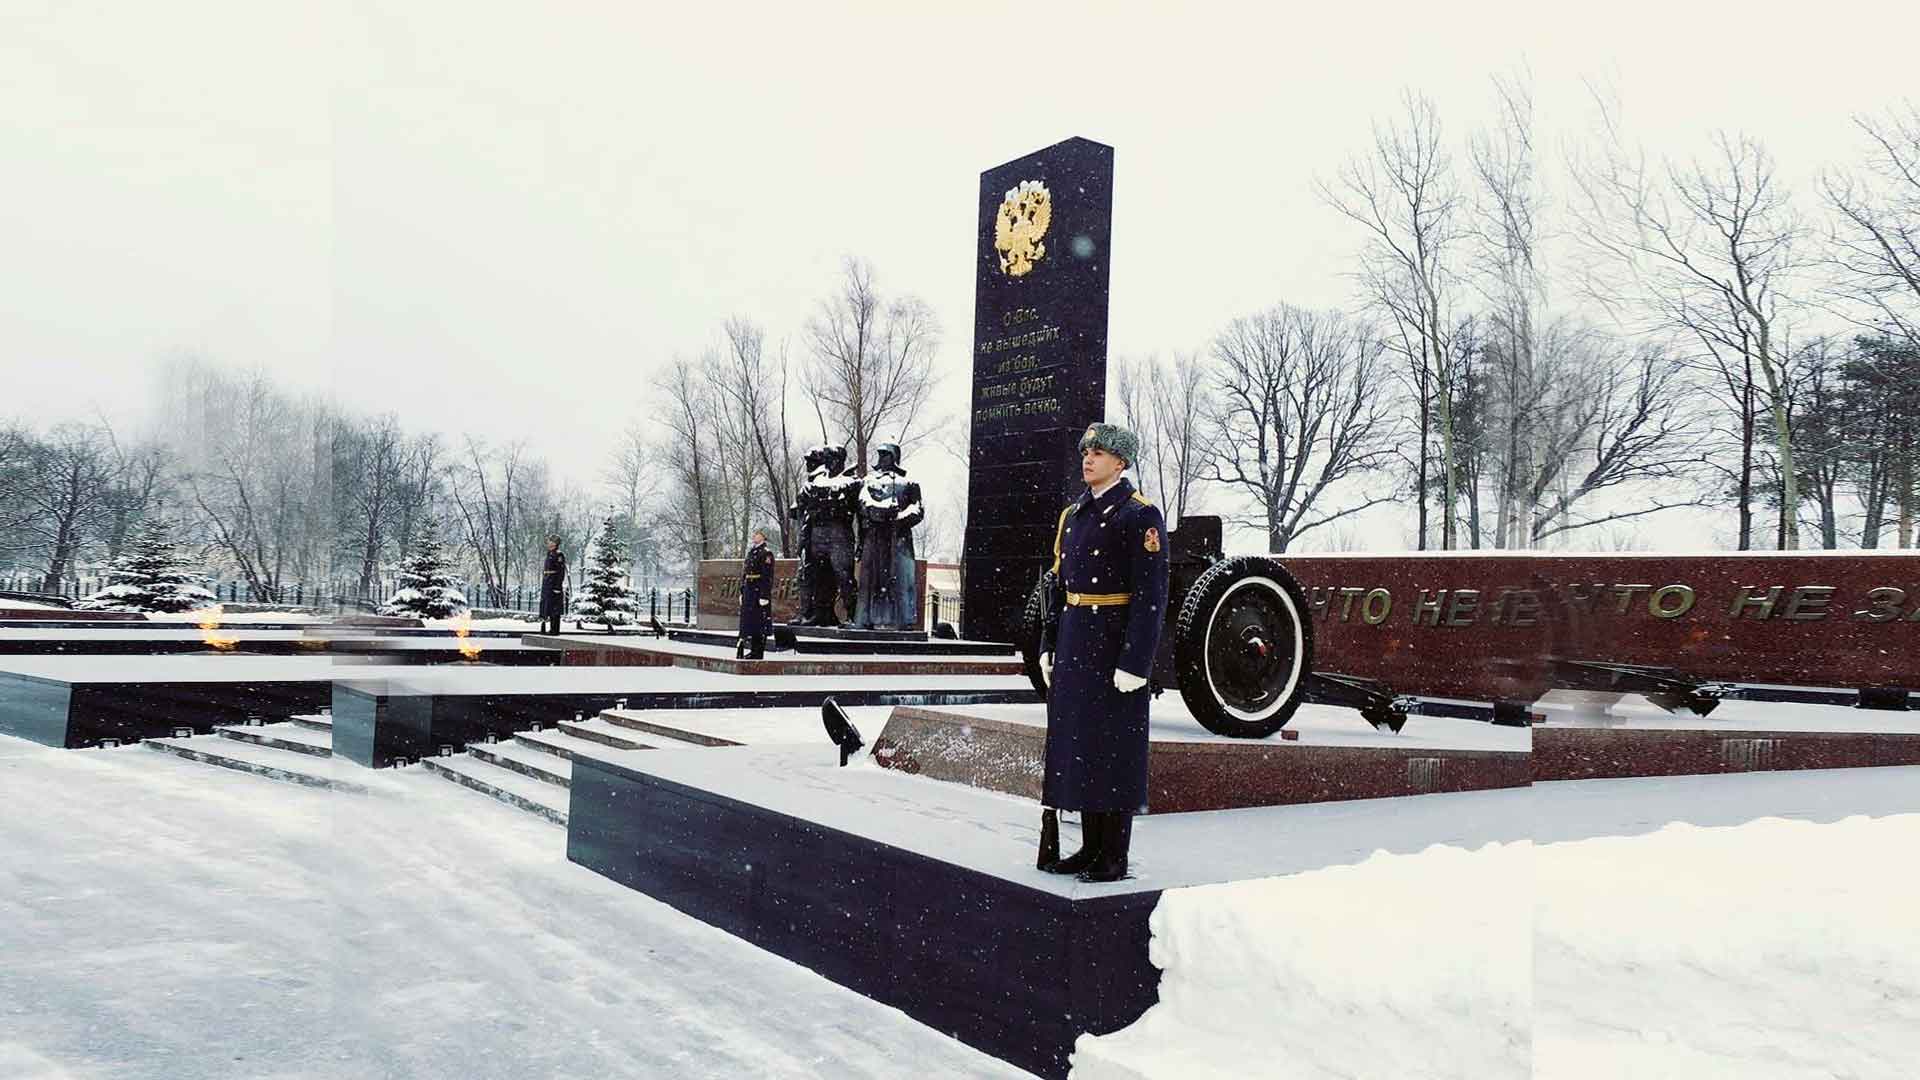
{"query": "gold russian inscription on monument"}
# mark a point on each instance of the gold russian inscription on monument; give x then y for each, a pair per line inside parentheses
(1521, 607)
(1019, 341)
(1020, 226)
(1010, 409)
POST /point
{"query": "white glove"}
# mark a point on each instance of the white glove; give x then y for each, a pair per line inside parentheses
(764, 603)
(1126, 681)
(1046, 665)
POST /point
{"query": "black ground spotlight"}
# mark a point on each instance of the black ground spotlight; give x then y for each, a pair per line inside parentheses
(840, 729)
(1888, 698)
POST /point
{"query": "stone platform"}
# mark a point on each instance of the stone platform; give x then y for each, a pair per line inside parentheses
(581, 650)
(828, 641)
(1633, 738)
(1332, 755)
(76, 701)
(413, 714)
(154, 639)
(923, 895)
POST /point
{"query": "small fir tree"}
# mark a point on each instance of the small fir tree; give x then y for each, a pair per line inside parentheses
(151, 576)
(605, 598)
(428, 587)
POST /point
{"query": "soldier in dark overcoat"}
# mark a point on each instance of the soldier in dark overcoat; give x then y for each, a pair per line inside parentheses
(756, 599)
(553, 587)
(1111, 561)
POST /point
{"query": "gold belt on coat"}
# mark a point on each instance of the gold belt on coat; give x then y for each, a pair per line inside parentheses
(1085, 599)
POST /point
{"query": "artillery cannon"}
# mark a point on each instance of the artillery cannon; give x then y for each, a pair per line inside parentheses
(1238, 642)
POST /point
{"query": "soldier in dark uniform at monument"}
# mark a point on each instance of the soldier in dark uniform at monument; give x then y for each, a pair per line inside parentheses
(553, 587)
(889, 509)
(1111, 560)
(756, 599)
(837, 494)
(799, 513)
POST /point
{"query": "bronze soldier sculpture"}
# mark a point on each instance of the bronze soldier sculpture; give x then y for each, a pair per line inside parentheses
(801, 513)
(553, 587)
(1111, 561)
(889, 509)
(829, 501)
(756, 599)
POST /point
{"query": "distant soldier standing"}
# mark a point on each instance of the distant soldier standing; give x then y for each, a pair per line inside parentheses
(756, 599)
(553, 587)
(1111, 561)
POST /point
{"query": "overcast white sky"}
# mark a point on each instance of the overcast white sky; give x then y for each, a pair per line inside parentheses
(504, 216)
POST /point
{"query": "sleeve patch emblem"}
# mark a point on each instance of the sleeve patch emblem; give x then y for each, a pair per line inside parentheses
(1152, 541)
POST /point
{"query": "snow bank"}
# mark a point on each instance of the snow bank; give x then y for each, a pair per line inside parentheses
(1771, 949)
(1404, 965)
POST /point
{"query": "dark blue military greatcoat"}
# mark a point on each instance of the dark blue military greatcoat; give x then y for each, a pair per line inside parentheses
(1113, 590)
(756, 584)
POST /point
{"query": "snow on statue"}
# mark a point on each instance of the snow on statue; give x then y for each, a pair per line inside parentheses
(150, 576)
(428, 587)
(604, 597)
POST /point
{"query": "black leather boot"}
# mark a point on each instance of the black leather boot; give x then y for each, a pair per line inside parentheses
(1110, 862)
(1049, 838)
(1077, 862)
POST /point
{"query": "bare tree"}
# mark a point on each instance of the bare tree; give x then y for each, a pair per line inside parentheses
(1166, 405)
(1506, 230)
(1705, 250)
(632, 481)
(872, 365)
(757, 387)
(368, 470)
(1405, 197)
(689, 411)
(1297, 414)
(1877, 241)
(64, 489)
(488, 497)
(256, 463)
(1618, 421)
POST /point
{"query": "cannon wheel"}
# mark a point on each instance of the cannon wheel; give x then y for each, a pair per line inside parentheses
(1032, 621)
(1243, 647)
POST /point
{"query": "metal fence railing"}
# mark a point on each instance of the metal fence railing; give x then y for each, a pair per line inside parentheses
(666, 605)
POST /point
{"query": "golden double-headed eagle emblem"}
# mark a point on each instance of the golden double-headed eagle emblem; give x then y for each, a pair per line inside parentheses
(1020, 226)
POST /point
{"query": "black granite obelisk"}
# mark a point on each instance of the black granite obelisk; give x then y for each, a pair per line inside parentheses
(1039, 367)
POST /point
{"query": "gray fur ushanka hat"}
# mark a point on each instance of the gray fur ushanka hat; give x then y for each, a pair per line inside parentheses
(1114, 439)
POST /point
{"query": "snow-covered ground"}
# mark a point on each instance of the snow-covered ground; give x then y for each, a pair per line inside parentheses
(1402, 966)
(162, 920)
(1758, 925)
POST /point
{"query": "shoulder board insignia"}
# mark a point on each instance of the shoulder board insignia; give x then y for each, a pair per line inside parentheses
(1142, 499)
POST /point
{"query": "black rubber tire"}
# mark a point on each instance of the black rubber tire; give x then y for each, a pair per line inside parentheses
(1032, 627)
(1201, 607)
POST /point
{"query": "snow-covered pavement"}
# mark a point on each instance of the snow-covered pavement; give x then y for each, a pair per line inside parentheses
(1751, 926)
(161, 919)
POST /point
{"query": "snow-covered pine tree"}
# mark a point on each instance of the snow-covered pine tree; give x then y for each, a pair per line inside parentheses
(150, 576)
(604, 597)
(428, 587)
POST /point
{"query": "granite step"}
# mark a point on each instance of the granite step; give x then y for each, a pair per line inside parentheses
(600, 731)
(560, 744)
(314, 722)
(523, 792)
(270, 762)
(526, 761)
(660, 734)
(281, 737)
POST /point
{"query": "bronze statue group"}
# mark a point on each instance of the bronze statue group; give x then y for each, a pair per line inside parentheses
(842, 515)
